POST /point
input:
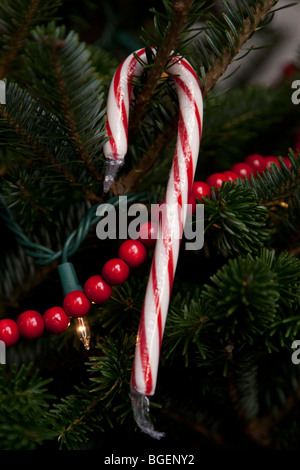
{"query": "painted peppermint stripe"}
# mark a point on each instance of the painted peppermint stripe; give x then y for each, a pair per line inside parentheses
(159, 288)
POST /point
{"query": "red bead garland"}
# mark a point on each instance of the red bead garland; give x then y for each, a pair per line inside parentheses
(253, 164)
(97, 289)
(131, 254)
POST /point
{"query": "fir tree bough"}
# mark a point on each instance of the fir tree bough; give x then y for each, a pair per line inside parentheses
(25, 415)
(226, 380)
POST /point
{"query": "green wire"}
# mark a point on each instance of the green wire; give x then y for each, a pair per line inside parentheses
(43, 255)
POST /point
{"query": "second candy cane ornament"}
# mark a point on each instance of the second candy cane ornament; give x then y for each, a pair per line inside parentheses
(159, 288)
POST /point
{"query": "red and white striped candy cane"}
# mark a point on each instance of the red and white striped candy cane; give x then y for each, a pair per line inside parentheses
(156, 303)
(117, 113)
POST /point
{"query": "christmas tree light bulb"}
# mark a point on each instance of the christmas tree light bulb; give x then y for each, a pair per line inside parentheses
(83, 331)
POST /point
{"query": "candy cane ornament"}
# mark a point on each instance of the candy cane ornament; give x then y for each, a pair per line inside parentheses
(118, 103)
(171, 225)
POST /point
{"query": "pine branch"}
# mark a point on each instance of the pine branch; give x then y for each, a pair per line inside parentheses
(18, 39)
(67, 103)
(237, 219)
(257, 14)
(25, 15)
(227, 134)
(76, 416)
(66, 106)
(263, 291)
(229, 44)
(76, 99)
(248, 307)
(187, 322)
(278, 190)
(15, 123)
(251, 301)
(24, 405)
(181, 10)
(37, 130)
(110, 370)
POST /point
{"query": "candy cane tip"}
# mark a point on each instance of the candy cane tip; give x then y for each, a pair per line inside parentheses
(111, 169)
(140, 408)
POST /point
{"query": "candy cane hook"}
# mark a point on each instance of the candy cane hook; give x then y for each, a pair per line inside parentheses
(159, 288)
(118, 104)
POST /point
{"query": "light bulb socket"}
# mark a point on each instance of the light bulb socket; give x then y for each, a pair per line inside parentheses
(68, 278)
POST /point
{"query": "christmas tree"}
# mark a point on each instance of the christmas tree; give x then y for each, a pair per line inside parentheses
(228, 376)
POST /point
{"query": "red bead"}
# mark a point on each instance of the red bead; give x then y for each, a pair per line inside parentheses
(56, 320)
(9, 332)
(76, 304)
(148, 233)
(200, 189)
(257, 162)
(271, 159)
(97, 290)
(115, 271)
(243, 170)
(133, 252)
(230, 175)
(287, 161)
(30, 324)
(216, 180)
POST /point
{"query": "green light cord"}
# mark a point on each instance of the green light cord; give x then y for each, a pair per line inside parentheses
(43, 255)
